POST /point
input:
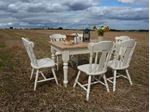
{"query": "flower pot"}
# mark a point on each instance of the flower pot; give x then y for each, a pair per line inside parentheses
(100, 38)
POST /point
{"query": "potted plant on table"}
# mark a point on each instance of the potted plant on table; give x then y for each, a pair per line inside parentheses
(101, 30)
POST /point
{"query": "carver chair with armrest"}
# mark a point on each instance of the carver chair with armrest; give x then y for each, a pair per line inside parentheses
(122, 61)
(57, 37)
(99, 56)
(38, 64)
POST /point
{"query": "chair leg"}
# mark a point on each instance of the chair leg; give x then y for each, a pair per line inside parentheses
(76, 80)
(128, 76)
(106, 84)
(77, 62)
(88, 88)
(73, 60)
(57, 61)
(54, 74)
(36, 79)
(114, 81)
(32, 73)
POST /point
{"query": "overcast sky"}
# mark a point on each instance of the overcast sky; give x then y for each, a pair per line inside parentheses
(118, 14)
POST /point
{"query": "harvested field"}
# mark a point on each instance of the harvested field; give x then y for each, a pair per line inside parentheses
(16, 88)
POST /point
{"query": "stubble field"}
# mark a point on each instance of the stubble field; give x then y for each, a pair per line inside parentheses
(16, 88)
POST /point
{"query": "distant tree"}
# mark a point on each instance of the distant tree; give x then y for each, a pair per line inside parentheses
(94, 27)
(60, 28)
(11, 27)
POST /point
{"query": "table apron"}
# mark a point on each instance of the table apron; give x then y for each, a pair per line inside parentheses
(56, 49)
(72, 51)
(78, 51)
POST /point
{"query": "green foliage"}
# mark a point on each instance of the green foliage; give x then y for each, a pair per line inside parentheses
(94, 27)
(101, 31)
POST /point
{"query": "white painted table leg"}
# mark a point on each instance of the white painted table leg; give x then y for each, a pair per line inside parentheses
(65, 74)
(65, 57)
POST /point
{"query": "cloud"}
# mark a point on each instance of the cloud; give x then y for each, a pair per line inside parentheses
(46, 5)
(118, 13)
(136, 2)
(70, 14)
(126, 1)
(79, 4)
(128, 13)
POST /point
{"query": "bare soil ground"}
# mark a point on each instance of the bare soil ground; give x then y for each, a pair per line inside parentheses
(16, 89)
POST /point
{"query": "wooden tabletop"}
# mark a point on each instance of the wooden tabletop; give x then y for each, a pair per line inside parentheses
(62, 45)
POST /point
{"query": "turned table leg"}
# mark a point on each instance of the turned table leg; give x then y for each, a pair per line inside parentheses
(65, 58)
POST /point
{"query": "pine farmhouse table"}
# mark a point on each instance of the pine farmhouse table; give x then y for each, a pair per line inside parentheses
(66, 51)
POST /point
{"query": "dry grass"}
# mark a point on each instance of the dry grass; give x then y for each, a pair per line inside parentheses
(16, 90)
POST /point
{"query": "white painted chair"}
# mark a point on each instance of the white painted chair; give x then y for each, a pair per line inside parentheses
(122, 61)
(57, 37)
(121, 38)
(38, 64)
(97, 67)
(78, 37)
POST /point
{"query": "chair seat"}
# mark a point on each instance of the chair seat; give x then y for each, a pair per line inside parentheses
(85, 68)
(43, 63)
(117, 65)
(58, 53)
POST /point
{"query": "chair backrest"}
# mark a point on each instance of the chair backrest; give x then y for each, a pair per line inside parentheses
(57, 37)
(100, 54)
(121, 38)
(127, 47)
(29, 48)
(80, 36)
